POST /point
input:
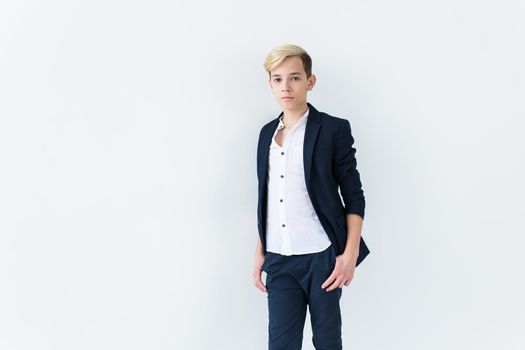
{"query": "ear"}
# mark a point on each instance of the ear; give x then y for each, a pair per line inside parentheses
(311, 81)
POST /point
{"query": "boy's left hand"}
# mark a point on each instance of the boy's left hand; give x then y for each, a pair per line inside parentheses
(342, 274)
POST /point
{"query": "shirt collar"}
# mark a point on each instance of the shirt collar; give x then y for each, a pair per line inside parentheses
(301, 121)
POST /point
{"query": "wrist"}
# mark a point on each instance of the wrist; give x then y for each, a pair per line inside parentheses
(351, 254)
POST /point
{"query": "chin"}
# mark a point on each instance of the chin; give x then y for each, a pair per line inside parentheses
(287, 105)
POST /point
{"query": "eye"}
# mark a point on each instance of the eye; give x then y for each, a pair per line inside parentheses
(276, 79)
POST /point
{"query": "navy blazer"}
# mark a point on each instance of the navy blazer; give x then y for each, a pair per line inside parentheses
(329, 165)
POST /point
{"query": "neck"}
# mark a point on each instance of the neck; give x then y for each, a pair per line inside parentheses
(291, 116)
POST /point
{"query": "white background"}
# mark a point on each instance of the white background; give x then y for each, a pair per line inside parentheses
(128, 133)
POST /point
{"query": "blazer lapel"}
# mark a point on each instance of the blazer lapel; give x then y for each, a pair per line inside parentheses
(266, 141)
(313, 125)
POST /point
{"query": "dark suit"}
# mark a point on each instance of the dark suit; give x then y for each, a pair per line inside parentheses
(329, 165)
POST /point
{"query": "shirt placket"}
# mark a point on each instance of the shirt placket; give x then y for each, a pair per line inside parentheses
(286, 243)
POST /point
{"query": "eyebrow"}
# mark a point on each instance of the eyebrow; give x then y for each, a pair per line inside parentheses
(294, 73)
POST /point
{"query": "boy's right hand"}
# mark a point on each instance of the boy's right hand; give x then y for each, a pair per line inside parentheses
(257, 271)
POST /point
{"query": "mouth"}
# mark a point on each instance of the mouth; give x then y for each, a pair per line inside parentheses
(287, 98)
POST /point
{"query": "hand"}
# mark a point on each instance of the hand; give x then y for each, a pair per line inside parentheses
(342, 274)
(257, 270)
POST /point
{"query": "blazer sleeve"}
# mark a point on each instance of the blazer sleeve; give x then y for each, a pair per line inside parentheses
(346, 173)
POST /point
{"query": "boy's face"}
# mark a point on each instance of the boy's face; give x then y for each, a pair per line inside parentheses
(288, 79)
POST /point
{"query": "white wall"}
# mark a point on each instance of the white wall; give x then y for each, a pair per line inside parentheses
(128, 133)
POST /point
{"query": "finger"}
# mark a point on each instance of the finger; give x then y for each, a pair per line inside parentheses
(257, 281)
(329, 280)
(334, 285)
(343, 283)
(261, 286)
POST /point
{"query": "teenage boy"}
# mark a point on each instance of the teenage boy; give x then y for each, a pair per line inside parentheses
(309, 242)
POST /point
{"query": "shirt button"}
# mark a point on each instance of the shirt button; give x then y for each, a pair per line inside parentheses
(280, 200)
(284, 225)
(282, 175)
(282, 153)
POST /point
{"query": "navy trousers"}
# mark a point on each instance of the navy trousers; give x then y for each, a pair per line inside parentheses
(293, 283)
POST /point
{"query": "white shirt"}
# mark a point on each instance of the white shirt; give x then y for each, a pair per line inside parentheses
(292, 224)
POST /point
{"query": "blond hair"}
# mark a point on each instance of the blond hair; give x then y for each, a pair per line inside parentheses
(279, 53)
